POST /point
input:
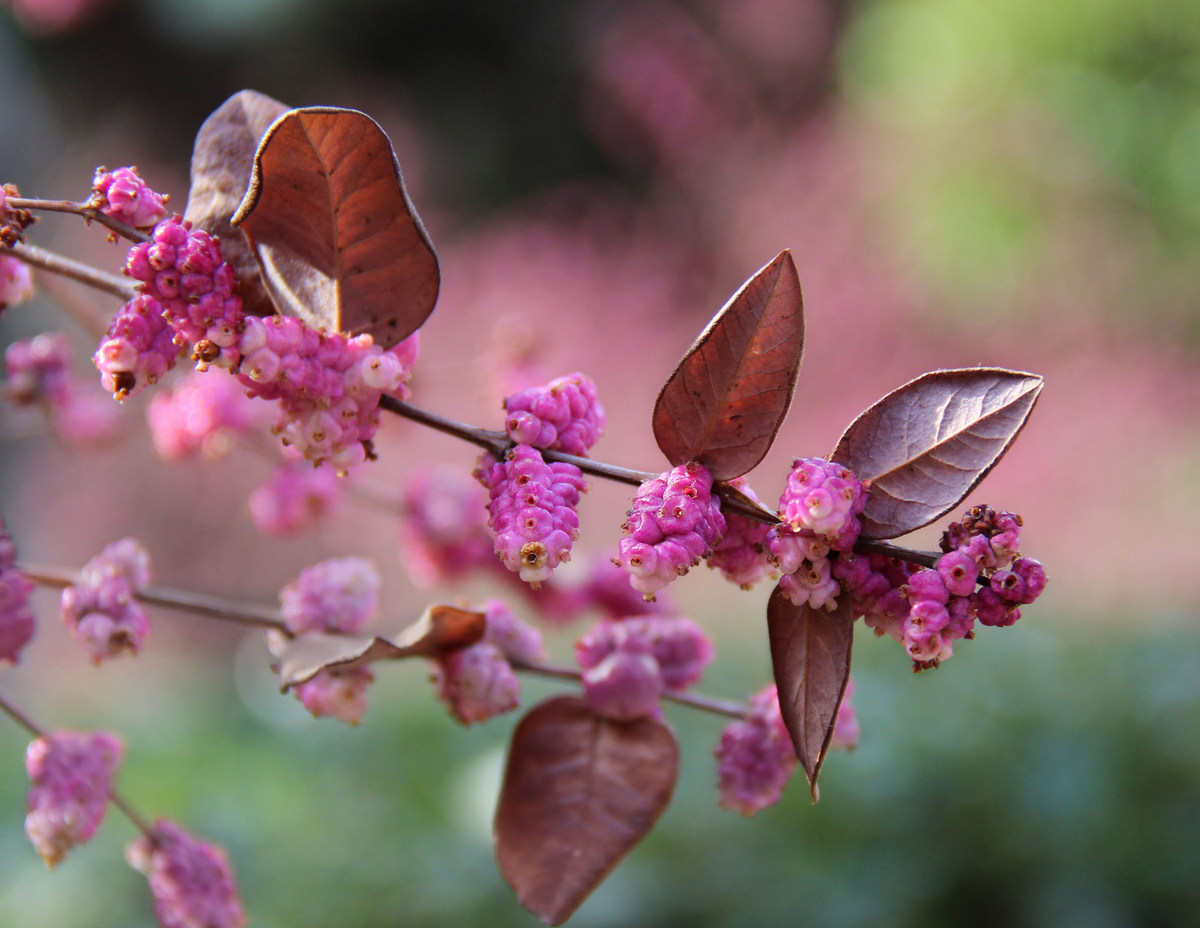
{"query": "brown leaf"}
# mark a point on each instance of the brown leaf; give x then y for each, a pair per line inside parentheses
(440, 630)
(727, 398)
(925, 446)
(810, 651)
(222, 161)
(339, 242)
(579, 793)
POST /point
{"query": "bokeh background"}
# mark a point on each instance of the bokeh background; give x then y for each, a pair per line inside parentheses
(1005, 182)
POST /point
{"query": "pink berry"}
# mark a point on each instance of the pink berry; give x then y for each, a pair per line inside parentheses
(755, 757)
(338, 595)
(191, 880)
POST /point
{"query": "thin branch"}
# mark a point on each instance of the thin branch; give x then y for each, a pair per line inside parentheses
(495, 442)
(691, 700)
(80, 209)
(34, 256)
(924, 558)
(21, 718)
(208, 606)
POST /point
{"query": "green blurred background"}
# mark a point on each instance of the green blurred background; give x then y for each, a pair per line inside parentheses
(1002, 182)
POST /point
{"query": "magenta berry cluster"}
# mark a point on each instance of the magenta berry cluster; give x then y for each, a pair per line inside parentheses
(337, 595)
(39, 371)
(328, 385)
(138, 349)
(531, 510)
(755, 757)
(477, 682)
(16, 617)
(819, 511)
(123, 195)
(565, 415)
(675, 522)
(202, 413)
(442, 530)
(70, 775)
(16, 280)
(294, 497)
(629, 663)
(740, 555)
(101, 609)
(191, 880)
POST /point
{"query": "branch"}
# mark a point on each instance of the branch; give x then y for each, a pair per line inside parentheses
(80, 209)
(76, 270)
(207, 606)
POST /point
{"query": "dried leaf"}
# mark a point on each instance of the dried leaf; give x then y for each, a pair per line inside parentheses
(222, 161)
(339, 243)
(440, 630)
(579, 793)
(925, 446)
(810, 651)
(727, 398)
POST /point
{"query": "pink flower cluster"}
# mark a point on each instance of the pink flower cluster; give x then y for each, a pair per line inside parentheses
(202, 413)
(100, 610)
(442, 530)
(16, 618)
(123, 195)
(740, 555)
(296, 495)
(71, 774)
(927, 610)
(565, 415)
(819, 510)
(478, 682)
(39, 371)
(191, 880)
(138, 348)
(755, 757)
(339, 595)
(328, 386)
(532, 510)
(16, 281)
(629, 663)
(674, 523)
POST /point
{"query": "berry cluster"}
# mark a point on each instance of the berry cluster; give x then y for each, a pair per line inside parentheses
(739, 555)
(295, 496)
(200, 414)
(123, 195)
(16, 281)
(477, 682)
(442, 530)
(70, 775)
(629, 663)
(674, 523)
(819, 510)
(565, 415)
(39, 371)
(138, 348)
(755, 757)
(16, 618)
(191, 880)
(101, 610)
(531, 510)
(328, 386)
(336, 596)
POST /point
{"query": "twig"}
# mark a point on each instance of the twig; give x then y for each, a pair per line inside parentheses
(76, 270)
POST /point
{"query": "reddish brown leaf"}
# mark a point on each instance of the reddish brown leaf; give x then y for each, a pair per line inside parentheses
(339, 242)
(222, 161)
(727, 398)
(925, 446)
(810, 651)
(441, 629)
(579, 793)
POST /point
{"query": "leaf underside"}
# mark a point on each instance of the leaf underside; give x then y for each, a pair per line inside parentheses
(222, 162)
(925, 446)
(579, 793)
(339, 242)
(725, 401)
(441, 629)
(810, 653)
